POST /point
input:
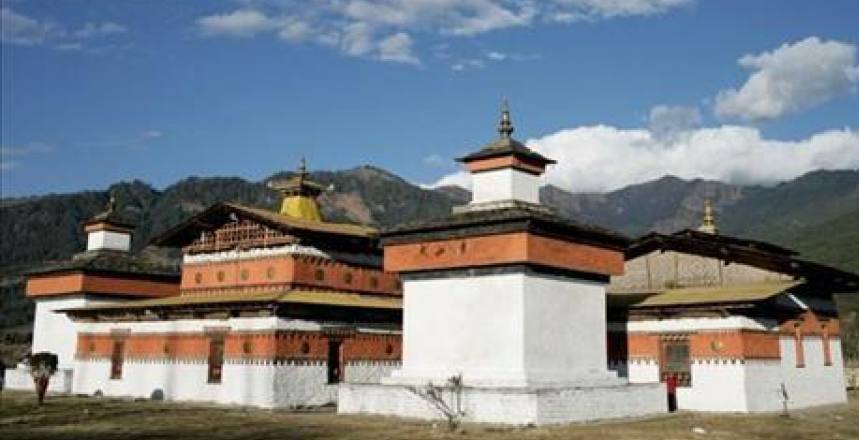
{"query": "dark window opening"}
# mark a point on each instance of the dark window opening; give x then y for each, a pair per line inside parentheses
(117, 357)
(676, 362)
(216, 359)
(335, 361)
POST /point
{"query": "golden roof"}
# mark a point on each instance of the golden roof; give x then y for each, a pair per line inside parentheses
(715, 294)
(301, 223)
(297, 296)
(301, 207)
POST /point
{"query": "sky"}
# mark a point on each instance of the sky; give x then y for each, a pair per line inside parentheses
(617, 91)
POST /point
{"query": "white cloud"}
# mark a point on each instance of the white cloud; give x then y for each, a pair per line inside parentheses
(91, 30)
(19, 29)
(397, 48)
(604, 158)
(16, 152)
(22, 30)
(665, 120)
(385, 29)
(496, 56)
(576, 10)
(239, 23)
(791, 78)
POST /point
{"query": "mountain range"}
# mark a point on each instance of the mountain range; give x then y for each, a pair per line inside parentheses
(816, 214)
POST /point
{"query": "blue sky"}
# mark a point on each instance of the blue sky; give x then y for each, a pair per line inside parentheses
(619, 92)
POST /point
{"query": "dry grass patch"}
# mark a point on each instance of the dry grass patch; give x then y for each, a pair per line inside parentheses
(70, 417)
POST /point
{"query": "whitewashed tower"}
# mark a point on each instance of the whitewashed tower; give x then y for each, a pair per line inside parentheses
(509, 297)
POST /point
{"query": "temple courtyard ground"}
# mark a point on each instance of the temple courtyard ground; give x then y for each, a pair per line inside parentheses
(69, 417)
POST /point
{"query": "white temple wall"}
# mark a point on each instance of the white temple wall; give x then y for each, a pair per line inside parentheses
(369, 371)
(55, 332)
(559, 352)
(505, 184)
(639, 370)
(243, 384)
(814, 384)
(753, 385)
(118, 241)
(717, 385)
(261, 384)
(437, 311)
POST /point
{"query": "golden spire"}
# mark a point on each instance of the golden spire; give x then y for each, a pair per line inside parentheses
(709, 223)
(299, 195)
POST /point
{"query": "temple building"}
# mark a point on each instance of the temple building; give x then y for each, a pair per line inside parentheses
(740, 325)
(503, 312)
(107, 272)
(273, 309)
(504, 308)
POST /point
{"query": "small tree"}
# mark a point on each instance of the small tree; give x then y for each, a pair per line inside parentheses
(43, 365)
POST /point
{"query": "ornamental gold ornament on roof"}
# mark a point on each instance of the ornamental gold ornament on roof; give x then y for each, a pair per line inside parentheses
(708, 224)
(299, 195)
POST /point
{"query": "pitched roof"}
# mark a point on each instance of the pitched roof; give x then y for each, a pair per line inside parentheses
(505, 146)
(495, 221)
(112, 262)
(714, 295)
(751, 252)
(219, 214)
(297, 296)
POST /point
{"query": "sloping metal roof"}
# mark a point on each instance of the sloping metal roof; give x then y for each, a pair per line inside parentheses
(298, 296)
(715, 294)
(219, 213)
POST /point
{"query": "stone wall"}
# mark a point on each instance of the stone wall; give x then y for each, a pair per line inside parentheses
(516, 406)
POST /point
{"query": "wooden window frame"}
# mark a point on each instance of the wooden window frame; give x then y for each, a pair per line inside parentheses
(335, 362)
(684, 378)
(117, 358)
(215, 374)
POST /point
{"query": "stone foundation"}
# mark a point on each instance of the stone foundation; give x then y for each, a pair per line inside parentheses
(512, 406)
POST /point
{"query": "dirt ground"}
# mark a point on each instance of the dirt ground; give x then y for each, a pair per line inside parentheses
(69, 417)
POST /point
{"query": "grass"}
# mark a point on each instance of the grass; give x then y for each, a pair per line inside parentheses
(71, 417)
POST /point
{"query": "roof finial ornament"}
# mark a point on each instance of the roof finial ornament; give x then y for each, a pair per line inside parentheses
(111, 203)
(505, 126)
(708, 224)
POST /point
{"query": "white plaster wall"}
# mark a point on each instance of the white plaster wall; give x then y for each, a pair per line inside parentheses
(303, 384)
(692, 324)
(55, 332)
(505, 184)
(642, 371)
(369, 371)
(243, 384)
(814, 384)
(119, 241)
(717, 386)
(198, 325)
(20, 379)
(442, 335)
(508, 405)
(565, 329)
(532, 330)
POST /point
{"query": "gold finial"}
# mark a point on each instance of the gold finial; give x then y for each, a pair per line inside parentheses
(708, 225)
(299, 194)
(505, 126)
